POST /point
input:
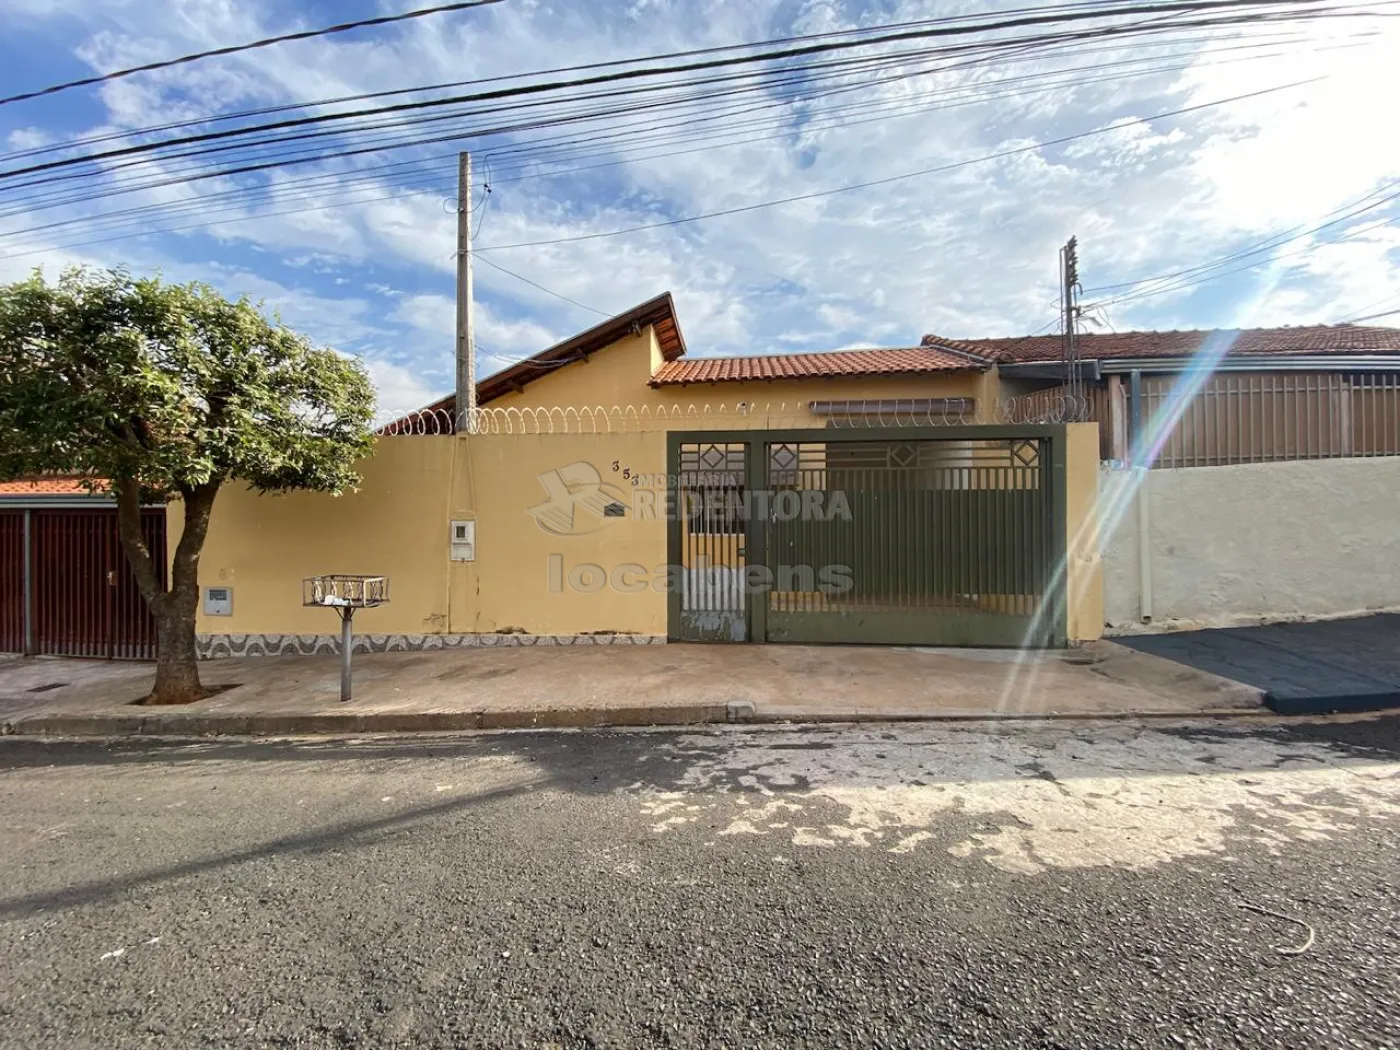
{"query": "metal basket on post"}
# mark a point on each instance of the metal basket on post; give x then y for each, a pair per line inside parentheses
(345, 594)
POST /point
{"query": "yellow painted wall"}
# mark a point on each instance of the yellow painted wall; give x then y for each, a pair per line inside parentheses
(1084, 566)
(525, 578)
(508, 587)
(397, 525)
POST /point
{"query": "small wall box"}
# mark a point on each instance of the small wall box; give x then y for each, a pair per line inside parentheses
(464, 541)
(218, 601)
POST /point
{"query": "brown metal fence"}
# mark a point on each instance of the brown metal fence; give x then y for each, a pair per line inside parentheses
(1244, 417)
(1261, 418)
(11, 581)
(85, 600)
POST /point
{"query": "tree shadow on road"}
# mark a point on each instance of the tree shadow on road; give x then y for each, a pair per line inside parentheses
(709, 760)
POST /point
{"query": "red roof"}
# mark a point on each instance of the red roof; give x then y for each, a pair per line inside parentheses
(904, 361)
(44, 487)
(1315, 339)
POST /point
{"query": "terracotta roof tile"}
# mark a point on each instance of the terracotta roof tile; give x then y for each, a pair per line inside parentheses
(43, 487)
(1315, 339)
(901, 361)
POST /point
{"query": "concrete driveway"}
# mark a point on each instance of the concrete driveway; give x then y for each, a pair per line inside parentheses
(1301, 668)
(611, 685)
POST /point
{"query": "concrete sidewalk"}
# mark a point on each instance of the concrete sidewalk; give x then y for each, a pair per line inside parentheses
(611, 685)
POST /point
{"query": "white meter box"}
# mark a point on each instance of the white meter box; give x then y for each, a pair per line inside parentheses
(218, 601)
(464, 540)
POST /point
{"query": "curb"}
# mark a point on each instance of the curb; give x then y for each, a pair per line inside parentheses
(337, 724)
(389, 722)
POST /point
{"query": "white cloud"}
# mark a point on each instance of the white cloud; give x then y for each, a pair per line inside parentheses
(398, 390)
(965, 252)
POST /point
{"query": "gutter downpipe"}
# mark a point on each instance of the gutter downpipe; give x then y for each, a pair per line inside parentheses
(1141, 479)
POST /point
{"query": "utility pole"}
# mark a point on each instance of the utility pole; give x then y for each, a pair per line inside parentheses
(466, 337)
(1069, 301)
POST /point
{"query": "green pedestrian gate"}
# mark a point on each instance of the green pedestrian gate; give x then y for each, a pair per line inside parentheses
(918, 536)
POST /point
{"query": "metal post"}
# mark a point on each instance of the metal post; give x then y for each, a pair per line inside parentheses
(347, 643)
(29, 645)
(466, 338)
(1134, 415)
(1069, 277)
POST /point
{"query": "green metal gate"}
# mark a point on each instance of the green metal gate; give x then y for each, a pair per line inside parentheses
(927, 536)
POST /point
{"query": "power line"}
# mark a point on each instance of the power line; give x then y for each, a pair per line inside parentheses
(342, 200)
(339, 182)
(1268, 244)
(477, 252)
(1372, 317)
(700, 98)
(1204, 277)
(897, 178)
(1384, 300)
(1174, 7)
(1108, 5)
(343, 27)
(573, 141)
(547, 291)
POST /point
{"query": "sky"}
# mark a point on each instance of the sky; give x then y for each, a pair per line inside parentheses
(365, 263)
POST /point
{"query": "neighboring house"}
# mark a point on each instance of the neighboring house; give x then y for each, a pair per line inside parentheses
(1253, 395)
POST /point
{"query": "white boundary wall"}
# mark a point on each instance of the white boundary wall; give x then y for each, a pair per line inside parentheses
(1254, 542)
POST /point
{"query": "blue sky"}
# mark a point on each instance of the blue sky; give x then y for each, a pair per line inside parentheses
(966, 253)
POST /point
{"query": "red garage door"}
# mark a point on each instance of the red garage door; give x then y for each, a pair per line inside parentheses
(11, 581)
(84, 599)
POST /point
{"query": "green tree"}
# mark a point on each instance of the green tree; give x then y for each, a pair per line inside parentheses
(169, 392)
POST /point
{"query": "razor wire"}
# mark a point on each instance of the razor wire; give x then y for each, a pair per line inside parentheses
(1039, 407)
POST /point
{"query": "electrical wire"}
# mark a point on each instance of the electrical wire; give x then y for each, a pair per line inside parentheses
(343, 27)
(1107, 6)
(1384, 300)
(884, 109)
(1345, 212)
(343, 200)
(1372, 317)
(1204, 277)
(533, 284)
(905, 175)
(495, 95)
(254, 189)
(321, 154)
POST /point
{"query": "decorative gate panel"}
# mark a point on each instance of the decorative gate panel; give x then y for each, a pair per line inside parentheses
(710, 487)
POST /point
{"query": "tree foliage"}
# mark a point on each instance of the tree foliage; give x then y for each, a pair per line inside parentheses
(167, 391)
(103, 375)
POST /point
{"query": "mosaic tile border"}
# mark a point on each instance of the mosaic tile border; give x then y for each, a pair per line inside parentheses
(222, 646)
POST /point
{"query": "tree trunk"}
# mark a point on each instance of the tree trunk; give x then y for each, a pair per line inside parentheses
(177, 660)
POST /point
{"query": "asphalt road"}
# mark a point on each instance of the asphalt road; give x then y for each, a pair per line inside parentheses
(1028, 886)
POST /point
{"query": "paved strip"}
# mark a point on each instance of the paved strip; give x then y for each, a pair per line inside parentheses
(1337, 665)
(1048, 885)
